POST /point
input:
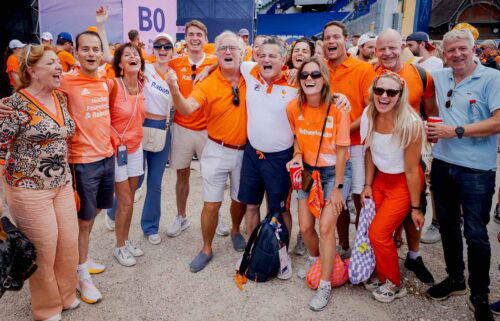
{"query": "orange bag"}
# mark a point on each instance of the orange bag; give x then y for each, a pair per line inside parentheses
(316, 200)
(340, 273)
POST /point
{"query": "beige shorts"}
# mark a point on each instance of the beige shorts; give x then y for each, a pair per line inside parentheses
(217, 164)
(185, 144)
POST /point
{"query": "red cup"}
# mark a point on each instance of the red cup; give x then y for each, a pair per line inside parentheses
(296, 176)
(433, 119)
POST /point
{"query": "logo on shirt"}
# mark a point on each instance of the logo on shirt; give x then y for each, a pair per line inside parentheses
(301, 117)
(329, 122)
(256, 87)
(85, 92)
(283, 92)
(87, 115)
(183, 69)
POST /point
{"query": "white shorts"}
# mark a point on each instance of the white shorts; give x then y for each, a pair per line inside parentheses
(134, 167)
(185, 144)
(217, 164)
(357, 158)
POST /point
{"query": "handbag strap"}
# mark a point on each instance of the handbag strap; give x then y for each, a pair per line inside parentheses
(322, 132)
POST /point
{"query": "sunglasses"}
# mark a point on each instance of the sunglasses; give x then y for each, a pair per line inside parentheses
(193, 69)
(236, 97)
(165, 46)
(448, 102)
(314, 75)
(390, 92)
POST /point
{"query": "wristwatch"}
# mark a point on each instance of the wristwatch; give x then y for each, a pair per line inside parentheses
(340, 186)
(460, 132)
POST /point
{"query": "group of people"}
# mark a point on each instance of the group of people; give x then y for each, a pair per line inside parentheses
(74, 143)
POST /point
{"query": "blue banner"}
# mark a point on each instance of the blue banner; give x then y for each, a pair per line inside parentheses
(422, 15)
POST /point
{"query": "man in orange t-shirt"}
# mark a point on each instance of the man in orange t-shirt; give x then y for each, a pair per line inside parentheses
(13, 63)
(353, 78)
(389, 47)
(64, 45)
(189, 133)
(221, 98)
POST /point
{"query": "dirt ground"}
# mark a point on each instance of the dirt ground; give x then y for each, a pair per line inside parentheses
(161, 287)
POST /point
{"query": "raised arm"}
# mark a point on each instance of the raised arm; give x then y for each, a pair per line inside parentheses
(182, 105)
(101, 15)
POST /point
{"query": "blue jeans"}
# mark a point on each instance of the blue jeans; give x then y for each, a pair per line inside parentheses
(471, 189)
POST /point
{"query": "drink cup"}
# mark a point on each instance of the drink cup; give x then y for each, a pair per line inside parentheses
(433, 119)
(296, 176)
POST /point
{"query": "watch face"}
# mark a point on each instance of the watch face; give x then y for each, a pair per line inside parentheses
(340, 186)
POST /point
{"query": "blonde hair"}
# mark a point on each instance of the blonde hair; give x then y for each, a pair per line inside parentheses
(29, 58)
(326, 96)
(407, 123)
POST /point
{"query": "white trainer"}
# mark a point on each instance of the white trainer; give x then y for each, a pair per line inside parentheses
(88, 291)
(134, 250)
(321, 298)
(139, 194)
(124, 257)
(73, 305)
(178, 225)
(56, 317)
(302, 272)
(94, 267)
(154, 239)
(388, 292)
(222, 229)
(110, 224)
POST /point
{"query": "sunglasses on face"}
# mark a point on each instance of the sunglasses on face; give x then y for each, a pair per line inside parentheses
(193, 69)
(314, 75)
(159, 46)
(236, 97)
(448, 102)
(390, 92)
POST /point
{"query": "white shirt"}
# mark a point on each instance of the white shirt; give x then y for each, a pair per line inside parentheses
(431, 63)
(156, 93)
(268, 127)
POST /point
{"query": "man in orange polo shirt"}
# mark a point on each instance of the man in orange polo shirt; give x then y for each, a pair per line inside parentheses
(64, 45)
(353, 78)
(389, 47)
(221, 98)
(189, 133)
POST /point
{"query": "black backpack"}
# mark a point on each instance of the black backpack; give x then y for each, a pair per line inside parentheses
(261, 259)
(17, 257)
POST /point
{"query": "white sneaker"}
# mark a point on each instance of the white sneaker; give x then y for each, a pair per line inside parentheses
(302, 272)
(321, 298)
(154, 239)
(124, 257)
(95, 268)
(388, 292)
(178, 225)
(134, 250)
(110, 224)
(139, 193)
(372, 283)
(88, 291)
(432, 235)
(74, 305)
(56, 317)
(222, 229)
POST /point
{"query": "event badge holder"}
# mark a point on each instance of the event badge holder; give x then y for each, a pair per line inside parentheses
(121, 154)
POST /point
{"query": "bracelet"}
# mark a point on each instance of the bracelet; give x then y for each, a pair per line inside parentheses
(416, 207)
(297, 153)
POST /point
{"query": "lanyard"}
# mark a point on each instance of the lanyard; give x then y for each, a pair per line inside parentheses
(133, 113)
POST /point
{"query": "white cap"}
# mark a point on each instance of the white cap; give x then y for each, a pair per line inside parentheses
(47, 36)
(163, 35)
(366, 37)
(13, 44)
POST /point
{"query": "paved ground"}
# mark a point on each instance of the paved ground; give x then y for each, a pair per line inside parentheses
(160, 286)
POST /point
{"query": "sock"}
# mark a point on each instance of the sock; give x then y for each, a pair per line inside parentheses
(313, 258)
(82, 271)
(324, 283)
(414, 255)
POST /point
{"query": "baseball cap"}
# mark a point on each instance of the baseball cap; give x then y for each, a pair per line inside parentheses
(366, 37)
(66, 36)
(47, 36)
(421, 36)
(14, 44)
(163, 35)
(243, 32)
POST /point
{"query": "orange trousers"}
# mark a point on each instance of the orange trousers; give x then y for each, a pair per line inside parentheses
(392, 205)
(48, 218)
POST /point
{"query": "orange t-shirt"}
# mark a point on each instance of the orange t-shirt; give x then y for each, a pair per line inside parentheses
(307, 127)
(248, 54)
(183, 68)
(12, 66)
(67, 60)
(122, 112)
(414, 83)
(88, 105)
(353, 78)
(225, 121)
(209, 48)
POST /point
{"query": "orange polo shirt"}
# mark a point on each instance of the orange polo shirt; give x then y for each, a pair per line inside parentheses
(183, 68)
(12, 66)
(225, 121)
(352, 78)
(67, 60)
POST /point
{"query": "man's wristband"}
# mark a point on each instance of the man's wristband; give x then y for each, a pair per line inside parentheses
(297, 152)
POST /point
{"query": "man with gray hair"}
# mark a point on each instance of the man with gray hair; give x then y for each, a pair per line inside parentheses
(221, 97)
(463, 169)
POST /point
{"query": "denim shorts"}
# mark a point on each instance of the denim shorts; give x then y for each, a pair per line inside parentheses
(328, 181)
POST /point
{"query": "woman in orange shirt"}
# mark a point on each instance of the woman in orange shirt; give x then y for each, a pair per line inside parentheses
(127, 115)
(321, 143)
(14, 52)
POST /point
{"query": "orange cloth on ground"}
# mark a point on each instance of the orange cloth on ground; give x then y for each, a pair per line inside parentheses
(225, 121)
(316, 199)
(12, 66)
(353, 78)
(88, 105)
(307, 126)
(67, 60)
(183, 69)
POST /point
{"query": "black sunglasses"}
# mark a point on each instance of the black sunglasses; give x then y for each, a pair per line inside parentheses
(165, 46)
(236, 97)
(448, 102)
(193, 69)
(390, 92)
(314, 75)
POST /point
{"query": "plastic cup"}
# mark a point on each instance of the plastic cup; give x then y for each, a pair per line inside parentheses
(433, 119)
(296, 176)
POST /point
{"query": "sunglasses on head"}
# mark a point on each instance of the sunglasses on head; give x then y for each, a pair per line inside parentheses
(236, 97)
(166, 46)
(314, 75)
(193, 69)
(448, 102)
(390, 92)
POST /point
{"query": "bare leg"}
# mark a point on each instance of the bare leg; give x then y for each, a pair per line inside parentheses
(209, 220)
(252, 217)
(237, 213)
(306, 226)
(182, 190)
(327, 223)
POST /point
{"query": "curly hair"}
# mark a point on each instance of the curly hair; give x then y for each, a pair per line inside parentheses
(118, 57)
